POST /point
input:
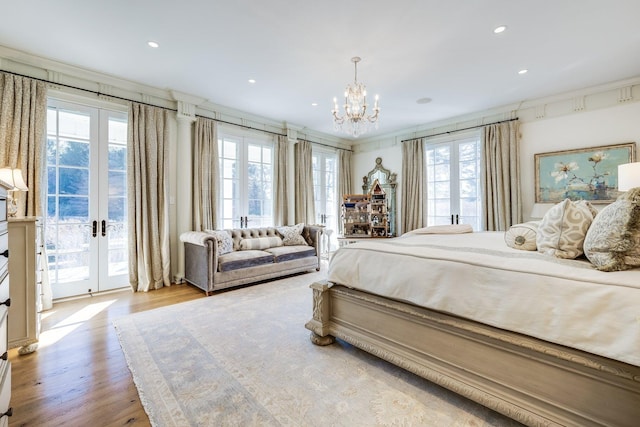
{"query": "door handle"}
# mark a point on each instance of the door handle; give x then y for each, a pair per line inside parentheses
(241, 222)
(104, 228)
(94, 229)
(5, 253)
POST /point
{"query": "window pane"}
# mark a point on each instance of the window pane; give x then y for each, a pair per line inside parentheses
(117, 183)
(74, 208)
(229, 149)
(73, 153)
(73, 124)
(117, 210)
(117, 131)
(74, 181)
(254, 153)
(117, 157)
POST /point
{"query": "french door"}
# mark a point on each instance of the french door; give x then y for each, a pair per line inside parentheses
(453, 183)
(324, 189)
(86, 220)
(246, 191)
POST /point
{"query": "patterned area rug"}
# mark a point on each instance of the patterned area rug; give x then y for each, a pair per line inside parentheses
(243, 358)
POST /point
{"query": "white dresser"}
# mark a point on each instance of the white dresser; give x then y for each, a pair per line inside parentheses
(5, 365)
(25, 246)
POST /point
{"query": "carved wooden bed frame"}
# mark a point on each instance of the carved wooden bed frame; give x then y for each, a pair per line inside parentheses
(532, 381)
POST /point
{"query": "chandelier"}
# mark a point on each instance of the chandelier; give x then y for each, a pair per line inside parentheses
(355, 120)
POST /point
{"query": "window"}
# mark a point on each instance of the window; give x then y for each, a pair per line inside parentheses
(246, 193)
(453, 182)
(86, 221)
(325, 165)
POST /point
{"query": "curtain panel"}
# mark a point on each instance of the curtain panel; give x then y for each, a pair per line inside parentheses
(344, 180)
(205, 170)
(304, 200)
(23, 113)
(501, 196)
(148, 201)
(413, 185)
(280, 184)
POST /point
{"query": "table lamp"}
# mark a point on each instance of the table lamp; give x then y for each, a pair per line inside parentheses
(13, 177)
(628, 176)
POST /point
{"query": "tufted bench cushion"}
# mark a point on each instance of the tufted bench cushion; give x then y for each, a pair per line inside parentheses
(287, 253)
(243, 259)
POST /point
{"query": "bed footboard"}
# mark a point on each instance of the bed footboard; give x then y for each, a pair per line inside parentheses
(532, 381)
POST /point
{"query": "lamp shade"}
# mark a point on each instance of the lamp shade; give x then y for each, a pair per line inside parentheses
(13, 177)
(628, 176)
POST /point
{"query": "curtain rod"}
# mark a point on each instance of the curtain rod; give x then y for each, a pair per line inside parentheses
(98, 93)
(461, 130)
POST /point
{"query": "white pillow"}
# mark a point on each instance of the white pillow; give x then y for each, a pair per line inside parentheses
(224, 240)
(260, 243)
(292, 235)
(564, 227)
(522, 236)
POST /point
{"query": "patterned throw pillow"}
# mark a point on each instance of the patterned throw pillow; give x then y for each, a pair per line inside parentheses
(522, 236)
(260, 243)
(613, 240)
(563, 229)
(225, 242)
(292, 235)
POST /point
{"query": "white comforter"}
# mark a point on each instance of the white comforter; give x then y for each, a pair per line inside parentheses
(477, 276)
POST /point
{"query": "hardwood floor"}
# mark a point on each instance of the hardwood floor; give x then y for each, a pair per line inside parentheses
(79, 376)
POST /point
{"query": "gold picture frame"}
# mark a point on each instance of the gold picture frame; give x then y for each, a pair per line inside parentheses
(582, 174)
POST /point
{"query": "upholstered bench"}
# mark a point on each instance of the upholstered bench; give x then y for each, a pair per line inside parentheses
(218, 259)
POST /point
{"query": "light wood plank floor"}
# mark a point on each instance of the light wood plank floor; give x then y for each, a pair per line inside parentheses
(78, 376)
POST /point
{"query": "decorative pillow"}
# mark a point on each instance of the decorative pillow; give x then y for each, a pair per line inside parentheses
(225, 242)
(613, 240)
(522, 236)
(260, 243)
(292, 235)
(563, 228)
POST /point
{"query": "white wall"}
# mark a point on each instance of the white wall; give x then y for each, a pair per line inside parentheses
(613, 125)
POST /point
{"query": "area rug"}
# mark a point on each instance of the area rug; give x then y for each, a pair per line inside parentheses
(243, 358)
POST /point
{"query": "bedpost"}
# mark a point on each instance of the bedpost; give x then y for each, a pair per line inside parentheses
(319, 325)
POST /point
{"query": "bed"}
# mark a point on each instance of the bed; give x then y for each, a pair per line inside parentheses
(542, 340)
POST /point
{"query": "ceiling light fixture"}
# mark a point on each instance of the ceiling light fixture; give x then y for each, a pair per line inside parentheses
(500, 29)
(153, 44)
(355, 120)
(252, 81)
(525, 71)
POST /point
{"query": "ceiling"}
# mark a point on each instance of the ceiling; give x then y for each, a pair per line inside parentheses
(299, 52)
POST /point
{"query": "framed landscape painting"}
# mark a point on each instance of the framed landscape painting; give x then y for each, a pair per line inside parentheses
(583, 174)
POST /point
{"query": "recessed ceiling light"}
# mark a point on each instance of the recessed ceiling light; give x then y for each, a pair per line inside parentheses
(524, 71)
(314, 104)
(500, 29)
(423, 101)
(252, 81)
(153, 44)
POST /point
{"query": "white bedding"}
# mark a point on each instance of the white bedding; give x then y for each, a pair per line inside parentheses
(477, 276)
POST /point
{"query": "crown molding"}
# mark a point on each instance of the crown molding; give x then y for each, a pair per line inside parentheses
(574, 102)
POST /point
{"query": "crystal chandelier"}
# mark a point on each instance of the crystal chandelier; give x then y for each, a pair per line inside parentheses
(355, 120)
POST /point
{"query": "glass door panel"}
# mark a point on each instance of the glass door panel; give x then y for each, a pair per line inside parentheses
(86, 224)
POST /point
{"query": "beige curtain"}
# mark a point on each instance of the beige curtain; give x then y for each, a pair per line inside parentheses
(501, 198)
(280, 185)
(413, 184)
(205, 175)
(344, 179)
(23, 112)
(304, 201)
(148, 202)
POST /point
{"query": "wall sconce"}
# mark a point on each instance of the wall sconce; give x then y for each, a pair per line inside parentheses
(13, 177)
(628, 176)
